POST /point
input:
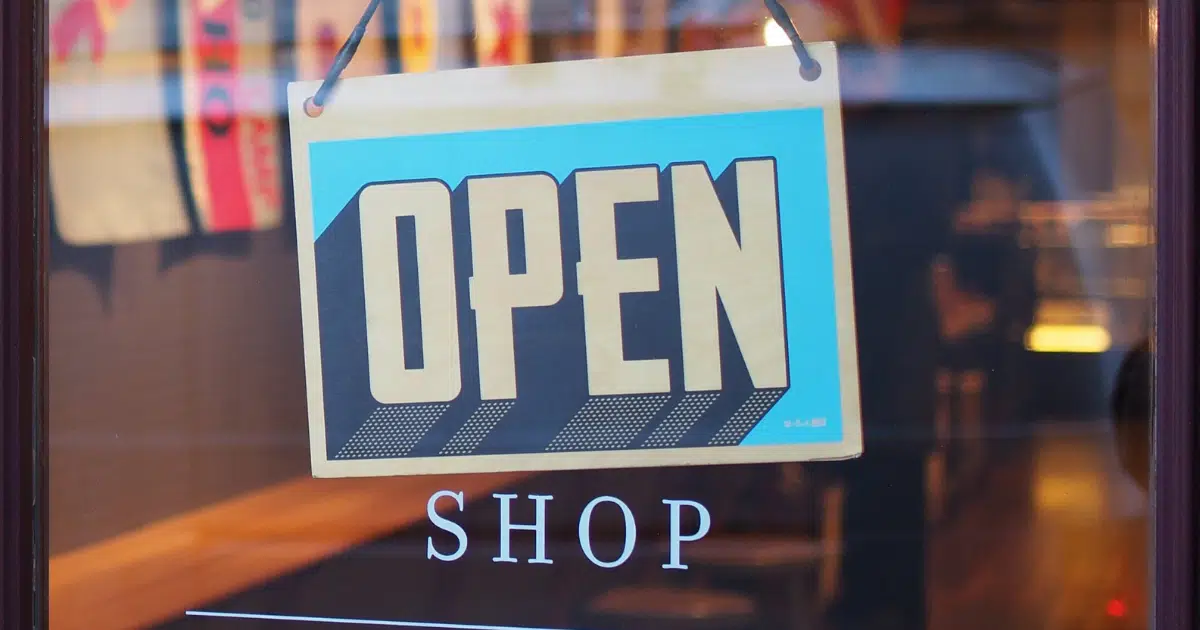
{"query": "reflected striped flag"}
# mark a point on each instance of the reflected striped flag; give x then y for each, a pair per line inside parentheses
(322, 26)
(84, 20)
(610, 28)
(96, 263)
(230, 101)
(419, 35)
(502, 32)
(651, 39)
(113, 170)
(875, 21)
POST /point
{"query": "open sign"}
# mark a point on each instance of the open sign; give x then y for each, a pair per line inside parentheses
(718, 271)
(600, 292)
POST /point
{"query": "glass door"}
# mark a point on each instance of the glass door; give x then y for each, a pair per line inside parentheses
(968, 268)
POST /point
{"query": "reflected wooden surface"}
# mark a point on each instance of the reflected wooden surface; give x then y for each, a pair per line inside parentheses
(1053, 538)
(1056, 538)
(157, 572)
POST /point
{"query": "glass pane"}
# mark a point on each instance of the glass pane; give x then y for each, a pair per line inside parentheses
(998, 162)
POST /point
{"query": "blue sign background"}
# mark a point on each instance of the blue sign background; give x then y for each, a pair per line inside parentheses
(795, 138)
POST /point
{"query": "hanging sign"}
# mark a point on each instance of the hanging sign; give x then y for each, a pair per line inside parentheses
(112, 166)
(637, 261)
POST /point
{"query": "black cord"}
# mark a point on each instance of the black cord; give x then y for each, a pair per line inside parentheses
(810, 69)
(316, 103)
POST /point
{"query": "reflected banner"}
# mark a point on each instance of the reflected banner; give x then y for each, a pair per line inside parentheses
(627, 262)
(105, 91)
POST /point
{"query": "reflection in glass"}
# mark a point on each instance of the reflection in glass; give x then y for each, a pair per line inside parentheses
(998, 159)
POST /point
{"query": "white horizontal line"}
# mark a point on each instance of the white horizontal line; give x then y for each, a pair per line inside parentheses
(361, 622)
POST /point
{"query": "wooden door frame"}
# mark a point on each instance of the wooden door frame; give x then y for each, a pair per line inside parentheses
(23, 221)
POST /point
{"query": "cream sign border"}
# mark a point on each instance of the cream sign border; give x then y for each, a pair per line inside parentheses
(597, 90)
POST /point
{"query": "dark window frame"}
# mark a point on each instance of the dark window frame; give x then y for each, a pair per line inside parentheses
(24, 220)
(23, 217)
(1174, 481)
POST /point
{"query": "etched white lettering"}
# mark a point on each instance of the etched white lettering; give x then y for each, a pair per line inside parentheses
(676, 536)
(446, 525)
(585, 532)
(538, 528)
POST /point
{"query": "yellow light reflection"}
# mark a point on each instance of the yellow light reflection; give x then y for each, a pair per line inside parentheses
(774, 35)
(1075, 339)
(1068, 493)
(1069, 478)
(1127, 235)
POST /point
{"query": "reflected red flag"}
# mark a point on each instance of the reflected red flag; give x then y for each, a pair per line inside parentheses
(502, 32)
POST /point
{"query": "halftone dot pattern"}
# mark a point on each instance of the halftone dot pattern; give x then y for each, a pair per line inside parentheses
(477, 427)
(744, 419)
(391, 431)
(606, 423)
(690, 408)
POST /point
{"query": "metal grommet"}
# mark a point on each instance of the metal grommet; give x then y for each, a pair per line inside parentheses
(811, 71)
(311, 108)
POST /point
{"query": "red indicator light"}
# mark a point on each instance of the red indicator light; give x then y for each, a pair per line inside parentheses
(1115, 608)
